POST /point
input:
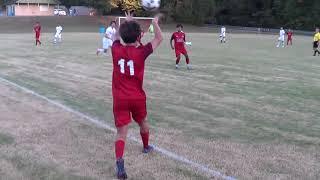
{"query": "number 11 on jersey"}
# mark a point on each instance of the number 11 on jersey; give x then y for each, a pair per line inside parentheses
(130, 64)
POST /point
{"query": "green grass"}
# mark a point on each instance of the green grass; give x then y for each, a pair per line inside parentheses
(246, 91)
(81, 102)
(6, 139)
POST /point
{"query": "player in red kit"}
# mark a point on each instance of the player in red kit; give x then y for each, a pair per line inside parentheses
(289, 34)
(129, 98)
(37, 30)
(179, 38)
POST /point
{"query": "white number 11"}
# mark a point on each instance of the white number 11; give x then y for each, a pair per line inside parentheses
(129, 63)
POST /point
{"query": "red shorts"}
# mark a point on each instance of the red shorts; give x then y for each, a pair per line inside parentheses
(37, 35)
(181, 51)
(123, 110)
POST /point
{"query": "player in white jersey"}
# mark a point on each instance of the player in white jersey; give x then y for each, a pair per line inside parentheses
(58, 35)
(108, 39)
(223, 34)
(281, 38)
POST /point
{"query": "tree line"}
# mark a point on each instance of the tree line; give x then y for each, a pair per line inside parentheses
(295, 14)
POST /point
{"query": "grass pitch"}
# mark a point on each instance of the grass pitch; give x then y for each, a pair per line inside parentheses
(247, 109)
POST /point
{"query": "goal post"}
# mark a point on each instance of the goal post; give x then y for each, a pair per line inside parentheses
(144, 22)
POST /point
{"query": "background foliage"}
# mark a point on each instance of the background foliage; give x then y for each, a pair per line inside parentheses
(297, 14)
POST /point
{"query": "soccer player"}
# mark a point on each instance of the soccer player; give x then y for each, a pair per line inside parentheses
(37, 30)
(179, 38)
(129, 98)
(58, 35)
(223, 34)
(289, 34)
(281, 38)
(316, 40)
(108, 38)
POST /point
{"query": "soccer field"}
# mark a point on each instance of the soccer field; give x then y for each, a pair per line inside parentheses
(247, 110)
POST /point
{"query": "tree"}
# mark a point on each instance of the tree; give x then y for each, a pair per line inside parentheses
(126, 5)
(301, 14)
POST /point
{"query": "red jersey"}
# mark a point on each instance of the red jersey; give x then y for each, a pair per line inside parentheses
(290, 34)
(128, 70)
(179, 40)
(37, 28)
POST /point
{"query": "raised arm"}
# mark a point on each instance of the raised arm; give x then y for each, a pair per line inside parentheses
(158, 38)
(129, 17)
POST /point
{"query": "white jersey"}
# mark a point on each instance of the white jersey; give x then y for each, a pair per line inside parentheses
(107, 41)
(59, 29)
(223, 32)
(282, 35)
(111, 33)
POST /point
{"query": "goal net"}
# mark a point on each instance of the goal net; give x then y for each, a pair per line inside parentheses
(144, 22)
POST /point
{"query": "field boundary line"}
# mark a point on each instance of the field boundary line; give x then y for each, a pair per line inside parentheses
(100, 124)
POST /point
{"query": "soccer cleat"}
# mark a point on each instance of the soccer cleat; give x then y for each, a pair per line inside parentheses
(189, 67)
(148, 149)
(121, 172)
(177, 66)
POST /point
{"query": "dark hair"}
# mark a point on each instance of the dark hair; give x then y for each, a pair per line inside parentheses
(113, 22)
(130, 31)
(179, 25)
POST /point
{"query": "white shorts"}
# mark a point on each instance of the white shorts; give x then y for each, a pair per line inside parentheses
(106, 43)
(58, 35)
(281, 39)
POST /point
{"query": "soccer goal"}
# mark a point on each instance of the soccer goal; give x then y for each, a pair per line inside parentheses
(144, 22)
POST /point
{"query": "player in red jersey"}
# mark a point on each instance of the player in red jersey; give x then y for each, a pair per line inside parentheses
(129, 98)
(289, 34)
(179, 38)
(37, 30)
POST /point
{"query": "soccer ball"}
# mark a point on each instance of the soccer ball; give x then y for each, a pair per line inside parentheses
(151, 5)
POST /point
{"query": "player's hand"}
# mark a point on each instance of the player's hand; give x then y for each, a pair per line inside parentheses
(157, 18)
(129, 16)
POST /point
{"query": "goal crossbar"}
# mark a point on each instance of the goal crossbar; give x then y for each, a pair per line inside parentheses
(141, 18)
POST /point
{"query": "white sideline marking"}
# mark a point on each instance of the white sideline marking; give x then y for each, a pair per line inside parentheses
(100, 124)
